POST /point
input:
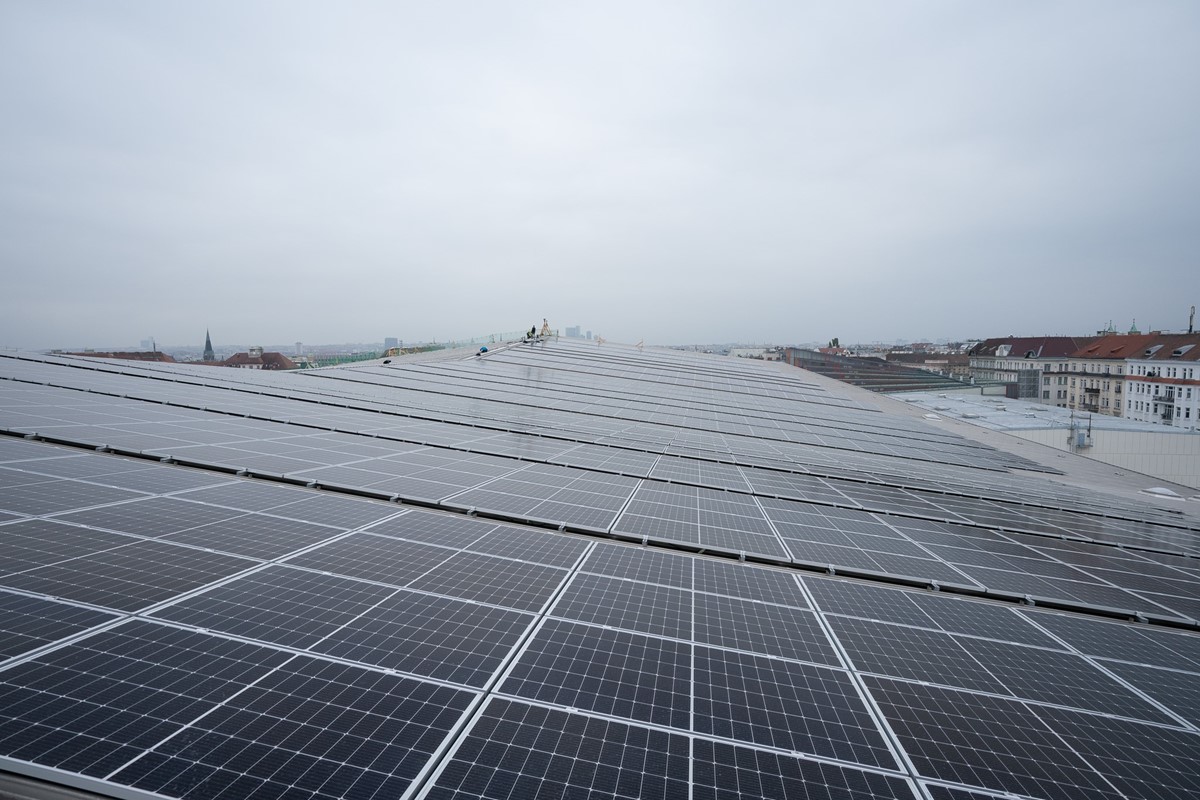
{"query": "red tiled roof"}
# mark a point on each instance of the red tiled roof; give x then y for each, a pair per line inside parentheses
(267, 361)
(130, 356)
(1117, 346)
(1169, 344)
(1032, 346)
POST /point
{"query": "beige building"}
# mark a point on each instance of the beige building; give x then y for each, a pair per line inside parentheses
(1163, 382)
(1092, 379)
(1022, 361)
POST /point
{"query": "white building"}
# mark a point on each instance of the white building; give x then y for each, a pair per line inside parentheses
(1162, 384)
(1024, 361)
(1093, 378)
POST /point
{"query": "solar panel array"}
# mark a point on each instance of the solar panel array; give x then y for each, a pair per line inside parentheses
(564, 570)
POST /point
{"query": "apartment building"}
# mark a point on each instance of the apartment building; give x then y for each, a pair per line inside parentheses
(1162, 382)
(1092, 378)
(1022, 360)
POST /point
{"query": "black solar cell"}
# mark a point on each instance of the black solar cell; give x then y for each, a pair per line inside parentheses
(640, 564)
(131, 577)
(438, 637)
(488, 579)
(984, 741)
(370, 738)
(913, 653)
(27, 623)
(728, 772)
(1141, 761)
(737, 579)
(284, 606)
(607, 671)
(632, 605)
(519, 750)
(786, 705)
(374, 558)
(764, 628)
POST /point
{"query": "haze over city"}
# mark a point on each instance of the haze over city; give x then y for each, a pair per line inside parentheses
(672, 173)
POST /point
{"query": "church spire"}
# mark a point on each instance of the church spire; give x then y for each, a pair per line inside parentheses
(208, 351)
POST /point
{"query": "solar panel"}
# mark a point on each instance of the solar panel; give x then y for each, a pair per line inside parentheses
(291, 607)
(630, 605)
(130, 577)
(764, 628)
(437, 637)
(983, 741)
(176, 629)
(520, 750)
(443, 529)
(152, 516)
(275, 738)
(32, 543)
(612, 672)
(1153, 762)
(375, 558)
(489, 579)
(727, 772)
(640, 564)
(1110, 639)
(786, 705)
(27, 623)
(749, 582)
(915, 653)
(38, 496)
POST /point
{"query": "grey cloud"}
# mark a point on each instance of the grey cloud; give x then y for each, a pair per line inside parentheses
(783, 172)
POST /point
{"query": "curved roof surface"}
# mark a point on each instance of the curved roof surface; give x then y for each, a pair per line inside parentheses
(568, 570)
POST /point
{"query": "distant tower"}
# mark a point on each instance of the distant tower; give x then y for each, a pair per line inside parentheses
(208, 351)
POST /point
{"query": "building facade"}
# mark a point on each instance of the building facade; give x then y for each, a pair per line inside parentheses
(257, 359)
(1092, 379)
(1162, 383)
(1023, 361)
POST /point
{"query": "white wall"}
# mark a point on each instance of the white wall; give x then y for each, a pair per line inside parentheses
(1173, 457)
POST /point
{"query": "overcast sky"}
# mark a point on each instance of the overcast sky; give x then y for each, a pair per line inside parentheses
(691, 172)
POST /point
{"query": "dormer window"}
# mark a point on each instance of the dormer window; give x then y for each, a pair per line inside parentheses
(1179, 351)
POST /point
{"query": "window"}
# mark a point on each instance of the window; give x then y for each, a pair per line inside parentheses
(1046, 395)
